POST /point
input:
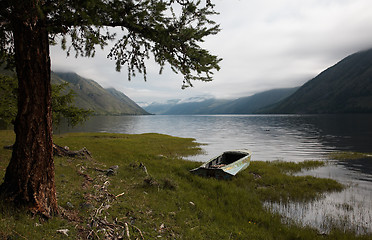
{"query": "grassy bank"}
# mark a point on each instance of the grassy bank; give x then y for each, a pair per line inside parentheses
(151, 194)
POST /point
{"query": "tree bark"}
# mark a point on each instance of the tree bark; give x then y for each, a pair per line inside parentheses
(29, 178)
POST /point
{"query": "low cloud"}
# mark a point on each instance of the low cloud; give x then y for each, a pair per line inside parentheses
(264, 44)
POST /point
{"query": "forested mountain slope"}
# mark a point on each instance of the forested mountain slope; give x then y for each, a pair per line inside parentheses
(90, 95)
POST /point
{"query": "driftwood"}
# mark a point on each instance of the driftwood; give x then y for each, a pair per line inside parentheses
(109, 172)
(65, 152)
(99, 223)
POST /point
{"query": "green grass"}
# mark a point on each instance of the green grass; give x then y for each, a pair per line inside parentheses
(168, 202)
(349, 155)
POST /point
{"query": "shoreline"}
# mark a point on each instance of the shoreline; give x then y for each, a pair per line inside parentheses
(165, 200)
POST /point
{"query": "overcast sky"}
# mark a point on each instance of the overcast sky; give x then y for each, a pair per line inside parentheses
(264, 44)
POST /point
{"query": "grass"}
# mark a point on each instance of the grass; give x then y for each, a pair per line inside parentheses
(349, 155)
(159, 198)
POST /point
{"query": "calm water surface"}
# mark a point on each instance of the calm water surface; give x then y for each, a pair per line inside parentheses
(270, 137)
(278, 137)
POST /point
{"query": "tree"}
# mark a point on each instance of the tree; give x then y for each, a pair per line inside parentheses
(62, 103)
(169, 29)
(62, 106)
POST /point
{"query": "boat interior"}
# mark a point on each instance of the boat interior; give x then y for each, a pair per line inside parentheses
(225, 159)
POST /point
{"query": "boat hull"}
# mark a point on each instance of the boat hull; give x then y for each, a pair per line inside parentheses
(225, 166)
(214, 173)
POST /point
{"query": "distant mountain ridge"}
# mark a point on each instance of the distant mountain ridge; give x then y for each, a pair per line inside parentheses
(345, 87)
(244, 105)
(90, 95)
(254, 103)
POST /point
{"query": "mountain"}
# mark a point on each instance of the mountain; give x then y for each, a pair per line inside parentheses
(254, 103)
(90, 95)
(125, 99)
(194, 105)
(244, 105)
(345, 87)
(161, 108)
(207, 106)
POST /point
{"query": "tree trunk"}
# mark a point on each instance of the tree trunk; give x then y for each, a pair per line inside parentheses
(29, 178)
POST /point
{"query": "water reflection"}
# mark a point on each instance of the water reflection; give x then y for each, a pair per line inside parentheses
(349, 210)
(270, 137)
(362, 166)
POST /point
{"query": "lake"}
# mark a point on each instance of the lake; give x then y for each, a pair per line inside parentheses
(270, 137)
(277, 137)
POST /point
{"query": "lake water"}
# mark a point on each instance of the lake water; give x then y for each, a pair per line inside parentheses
(277, 137)
(270, 137)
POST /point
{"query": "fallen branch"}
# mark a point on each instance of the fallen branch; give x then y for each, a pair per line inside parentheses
(110, 229)
(127, 230)
(65, 152)
(90, 234)
(19, 235)
(139, 230)
(86, 176)
(99, 170)
(63, 231)
(109, 172)
(121, 194)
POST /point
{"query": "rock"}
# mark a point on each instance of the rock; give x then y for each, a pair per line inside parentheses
(70, 205)
(115, 167)
(112, 170)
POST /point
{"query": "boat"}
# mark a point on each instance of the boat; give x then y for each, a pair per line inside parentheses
(226, 165)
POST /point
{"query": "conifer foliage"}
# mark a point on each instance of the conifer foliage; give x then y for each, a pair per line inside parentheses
(168, 32)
